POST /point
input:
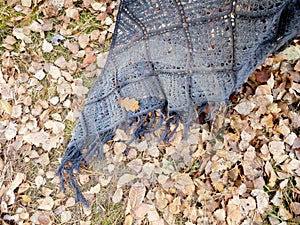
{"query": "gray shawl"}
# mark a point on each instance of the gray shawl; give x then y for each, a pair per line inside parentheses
(169, 60)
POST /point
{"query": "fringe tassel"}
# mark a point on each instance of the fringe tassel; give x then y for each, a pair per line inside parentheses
(146, 123)
(74, 156)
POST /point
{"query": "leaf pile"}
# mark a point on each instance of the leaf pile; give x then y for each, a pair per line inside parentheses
(241, 168)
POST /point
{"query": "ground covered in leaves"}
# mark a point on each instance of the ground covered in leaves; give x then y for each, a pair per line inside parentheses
(241, 168)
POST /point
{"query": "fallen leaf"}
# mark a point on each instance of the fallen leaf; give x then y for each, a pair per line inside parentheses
(117, 197)
(55, 72)
(174, 206)
(46, 203)
(39, 181)
(291, 53)
(161, 200)
(234, 215)
(17, 181)
(295, 207)
(136, 195)
(130, 104)
(43, 219)
(147, 170)
(128, 220)
(11, 131)
(271, 174)
(66, 216)
(153, 215)
(72, 13)
(136, 165)
(40, 75)
(220, 214)
(297, 66)
(96, 5)
(26, 198)
(5, 105)
(88, 60)
(61, 62)
(124, 179)
(83, 41)
(16, 111)
(46, 46)
(245, 107)
(284, 213)
(262, 200)
(19, 34)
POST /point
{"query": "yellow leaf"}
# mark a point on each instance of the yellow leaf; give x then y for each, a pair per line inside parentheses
(6, 106)
(128, 220)
(26, 198)
(130, 104)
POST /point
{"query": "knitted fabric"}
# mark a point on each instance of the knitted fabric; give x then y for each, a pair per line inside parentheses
(170, 59)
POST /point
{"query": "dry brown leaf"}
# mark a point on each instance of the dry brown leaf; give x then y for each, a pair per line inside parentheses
(47, 47)
(70, 202)
(277, 199)
(117, 197)
(234, 215)
(295, 207)
(124, 179)
(72, 13)
(161, 200)
(61, 62)
(262, 200)
(5, 105)
(16, 111)
(78, 89)
(55, 126)
(19, 34)
(174, 206)
(108, 21)
(43, 159)
(19, 178)
(10, 131)
(245, 107)
(88, 60)
(140, 212)
(83, 41)
(43, 219)
(55, 72)
(284, 213)
(101, 59)
(153, 151)
(96, 5)
(66, 216)
(130, 104)
(147, 170)
(40, 75)
(153, 215)
(220, 214)
(119, 148)
(35, 26)
(297, 66)
(39, 181)
(248, 205)
(36, 138)
(136, 165)
(182, 179)
(46, 203)
(271, 174)
(136, 195)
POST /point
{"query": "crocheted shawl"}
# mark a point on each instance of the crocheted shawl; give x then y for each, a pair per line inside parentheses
(170, 59)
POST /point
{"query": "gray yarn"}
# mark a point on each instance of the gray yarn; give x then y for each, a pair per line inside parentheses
(176, 57)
